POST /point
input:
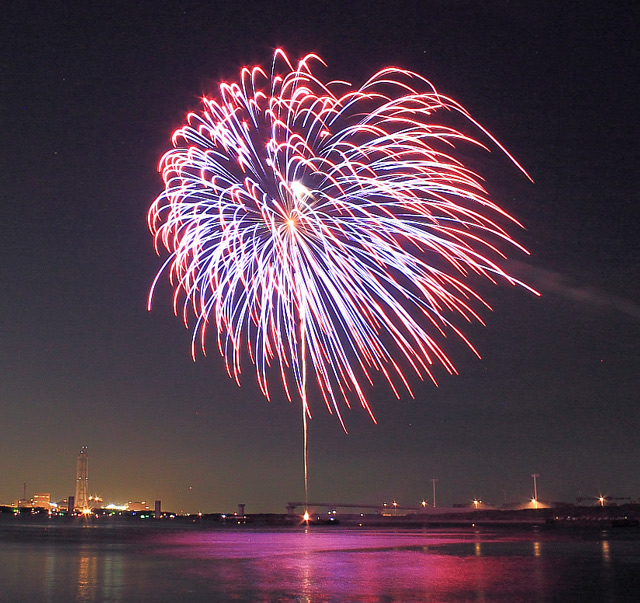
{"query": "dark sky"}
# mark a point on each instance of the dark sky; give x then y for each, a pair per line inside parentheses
(90, 94)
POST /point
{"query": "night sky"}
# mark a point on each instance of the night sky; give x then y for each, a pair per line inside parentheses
(90, 94)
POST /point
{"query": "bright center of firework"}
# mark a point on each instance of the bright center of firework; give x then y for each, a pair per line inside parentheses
(299, 190)
(291, 223)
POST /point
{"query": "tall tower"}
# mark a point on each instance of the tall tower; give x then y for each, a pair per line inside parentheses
(82, 480)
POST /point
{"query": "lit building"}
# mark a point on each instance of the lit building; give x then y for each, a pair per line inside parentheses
(82, 480)
(138, 506)
(42, 501)
(24, 501)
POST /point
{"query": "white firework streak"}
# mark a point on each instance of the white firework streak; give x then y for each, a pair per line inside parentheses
(310, 218)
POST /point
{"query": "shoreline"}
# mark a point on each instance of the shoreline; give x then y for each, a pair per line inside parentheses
(626, 516)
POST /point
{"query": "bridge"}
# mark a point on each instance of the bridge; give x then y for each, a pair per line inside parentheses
(382, 508)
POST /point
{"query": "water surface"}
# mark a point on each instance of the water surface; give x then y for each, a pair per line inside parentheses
(140, 561)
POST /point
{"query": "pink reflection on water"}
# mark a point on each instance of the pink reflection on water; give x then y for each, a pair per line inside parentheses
(349, 565)
(256, 544)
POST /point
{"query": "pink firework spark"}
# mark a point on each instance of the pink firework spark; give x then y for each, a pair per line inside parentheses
(317, 225)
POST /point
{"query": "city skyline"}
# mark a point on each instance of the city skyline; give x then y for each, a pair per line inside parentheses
(83, 500)
(90, 99)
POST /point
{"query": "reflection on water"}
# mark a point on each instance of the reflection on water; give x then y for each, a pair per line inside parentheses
(86, 582)
(80, 573)
(156, 563)
(537, 551)
(306, 578)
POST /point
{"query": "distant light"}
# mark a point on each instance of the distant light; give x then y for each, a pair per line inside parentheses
(306, 516)
(113, 507)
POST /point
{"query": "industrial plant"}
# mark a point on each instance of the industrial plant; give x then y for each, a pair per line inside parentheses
(81, 502)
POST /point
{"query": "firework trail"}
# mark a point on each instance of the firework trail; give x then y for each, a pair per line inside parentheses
(325, 229)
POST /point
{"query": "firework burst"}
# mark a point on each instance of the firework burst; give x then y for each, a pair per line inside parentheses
(316, 225)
